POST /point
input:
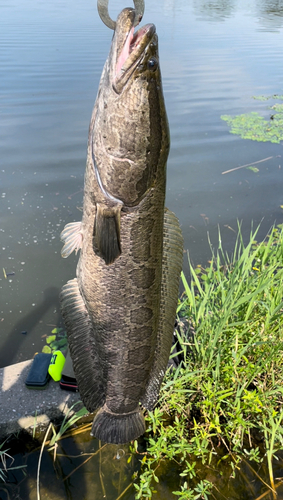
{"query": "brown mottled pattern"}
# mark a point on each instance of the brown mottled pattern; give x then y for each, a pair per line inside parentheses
(119, 304)
(128, 293)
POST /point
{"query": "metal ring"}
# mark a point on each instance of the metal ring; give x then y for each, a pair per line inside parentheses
(102, 7)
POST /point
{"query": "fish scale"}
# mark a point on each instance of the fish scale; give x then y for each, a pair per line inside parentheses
(120, 309)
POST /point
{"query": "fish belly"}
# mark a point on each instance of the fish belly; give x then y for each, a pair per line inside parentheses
(123, 303)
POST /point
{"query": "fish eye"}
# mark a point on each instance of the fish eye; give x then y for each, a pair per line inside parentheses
(152, 63)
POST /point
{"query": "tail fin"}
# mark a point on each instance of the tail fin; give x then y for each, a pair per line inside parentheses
(117, 428)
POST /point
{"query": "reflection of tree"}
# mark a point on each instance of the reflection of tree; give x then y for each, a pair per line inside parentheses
(270, 13)
(28, 322)
(270, 8)
(218, 10)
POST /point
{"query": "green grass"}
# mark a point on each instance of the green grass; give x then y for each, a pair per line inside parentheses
(4, 468)
(222, 406)
(228, 391)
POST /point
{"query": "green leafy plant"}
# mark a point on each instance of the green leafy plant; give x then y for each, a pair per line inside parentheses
(221, 407)
(228, 387)
(67, 423)
(56, 341)
(70, 419)
(202, 490)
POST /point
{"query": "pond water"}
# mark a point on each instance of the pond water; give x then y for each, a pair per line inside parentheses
(215, 55)
(85, 469)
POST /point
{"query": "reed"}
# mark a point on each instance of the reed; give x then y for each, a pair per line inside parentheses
(4, 467)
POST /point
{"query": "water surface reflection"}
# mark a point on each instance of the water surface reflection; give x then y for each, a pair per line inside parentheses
(214, 56)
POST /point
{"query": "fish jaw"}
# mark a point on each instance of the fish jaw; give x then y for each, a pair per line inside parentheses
(129, 48)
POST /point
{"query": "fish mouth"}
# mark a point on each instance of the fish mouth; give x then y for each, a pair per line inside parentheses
(130, 50)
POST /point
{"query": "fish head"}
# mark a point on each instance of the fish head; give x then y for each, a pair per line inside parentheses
(135, 55)
(131, 134)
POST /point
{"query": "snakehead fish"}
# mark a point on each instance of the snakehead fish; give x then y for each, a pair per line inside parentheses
(120, 310)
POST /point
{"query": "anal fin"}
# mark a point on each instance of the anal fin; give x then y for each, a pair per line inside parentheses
(72, 237)
(83, 348)
(107, 232)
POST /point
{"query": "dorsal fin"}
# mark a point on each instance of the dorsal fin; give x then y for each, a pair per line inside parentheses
(171, 269)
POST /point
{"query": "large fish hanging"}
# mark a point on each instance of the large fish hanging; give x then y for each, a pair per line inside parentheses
(120, 310)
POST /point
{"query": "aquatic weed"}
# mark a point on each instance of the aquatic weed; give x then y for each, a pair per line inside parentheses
(255, 127)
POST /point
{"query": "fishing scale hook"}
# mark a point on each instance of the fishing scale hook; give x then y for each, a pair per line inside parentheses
(102, 7)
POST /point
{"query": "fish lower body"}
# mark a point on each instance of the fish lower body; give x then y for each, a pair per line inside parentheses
(118, 367)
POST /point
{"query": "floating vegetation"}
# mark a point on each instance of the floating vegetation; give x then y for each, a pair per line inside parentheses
(255, 127)
(253, 169)
(266, 97)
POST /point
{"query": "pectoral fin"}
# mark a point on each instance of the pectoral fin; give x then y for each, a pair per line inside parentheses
(107, 232)
(171, 270)
(72, 237)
